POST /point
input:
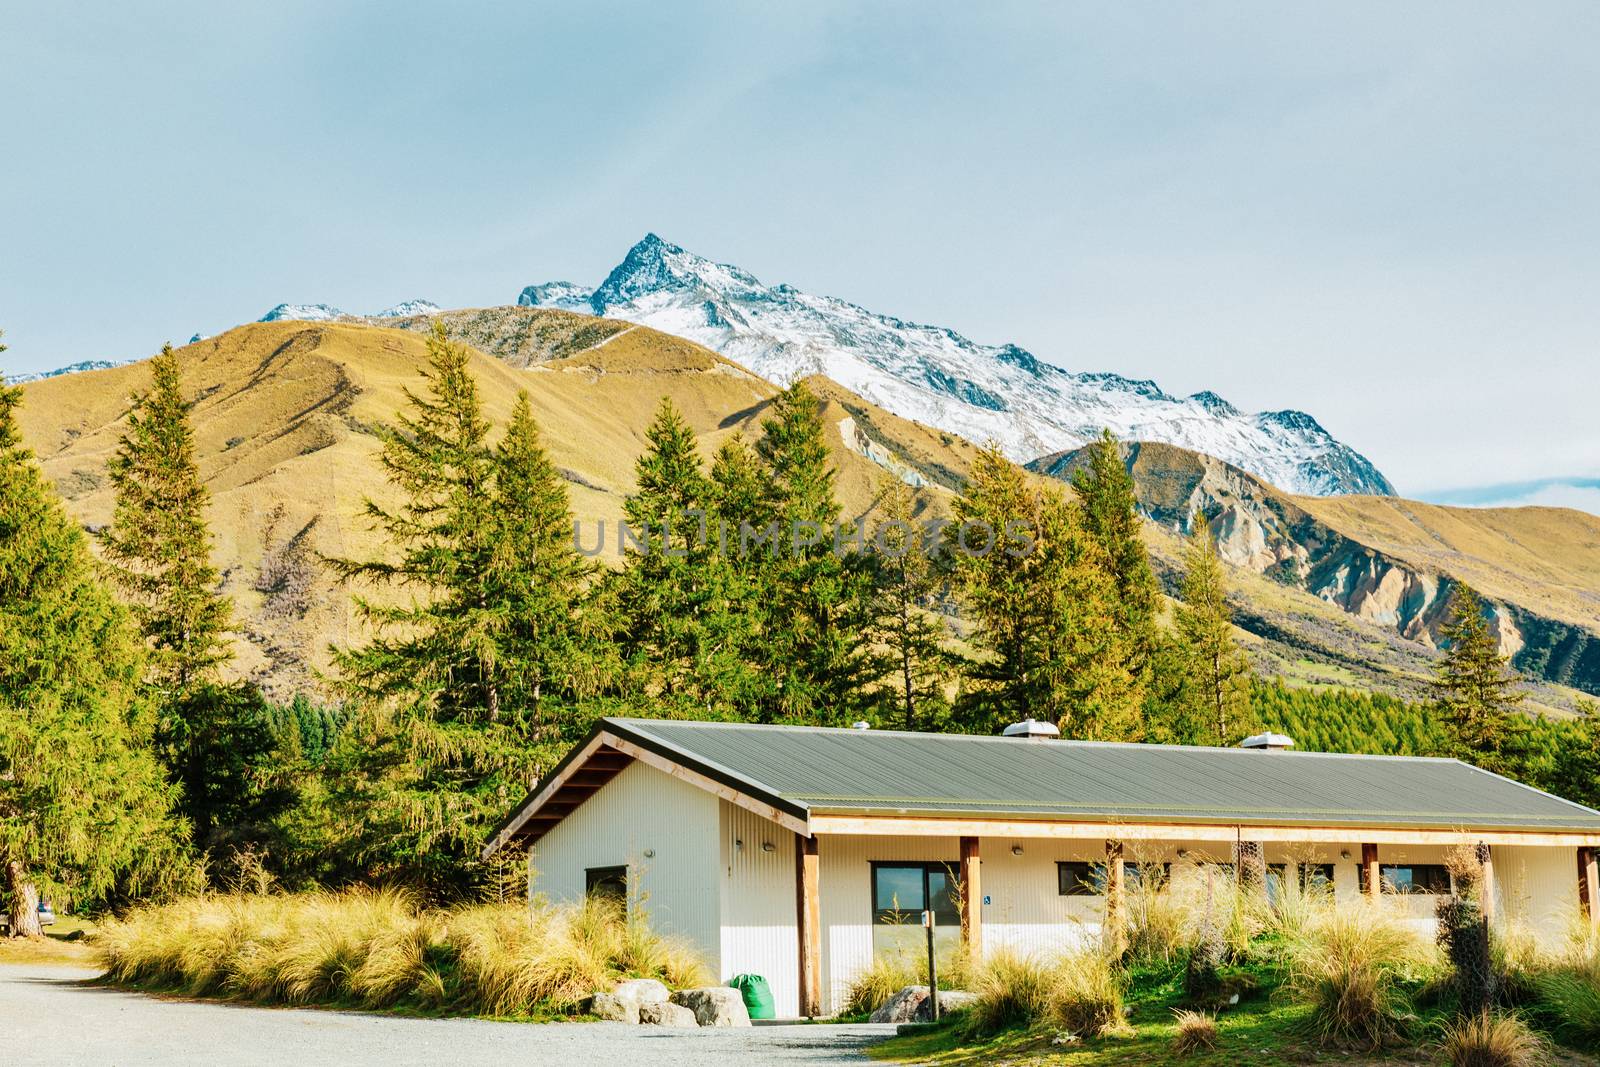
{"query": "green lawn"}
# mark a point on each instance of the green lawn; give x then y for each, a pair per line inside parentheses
(65, 943)
(1262, 1030)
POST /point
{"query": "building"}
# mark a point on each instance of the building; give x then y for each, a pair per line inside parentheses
(797, 853)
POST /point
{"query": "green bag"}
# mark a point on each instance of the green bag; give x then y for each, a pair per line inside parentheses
(757, 995)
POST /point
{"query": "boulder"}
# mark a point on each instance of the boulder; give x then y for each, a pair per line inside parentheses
(613, 1008)
(902, 1007)
(642, 991)
(666, 1014)
(911, 1005)
(714, 1005)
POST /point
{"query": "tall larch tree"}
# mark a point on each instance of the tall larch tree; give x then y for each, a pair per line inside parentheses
(1110, 514)
(1475, 689)
(215, 738)
(1216, 678)
(814, 593)
(473, 632)
(906, 634)
(1043, 607)
(84, 806)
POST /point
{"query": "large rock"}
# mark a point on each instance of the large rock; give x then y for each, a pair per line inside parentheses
(912, 1005)
(666, 1014)
(623, 1003)
(714, 1005)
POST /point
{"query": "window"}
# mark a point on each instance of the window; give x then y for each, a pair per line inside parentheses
(1408, 878)
(901, 892)
(1312, 875)
(1079, 879)
(609, 882)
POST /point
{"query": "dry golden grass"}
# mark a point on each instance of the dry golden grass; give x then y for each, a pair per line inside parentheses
(378, 949)
(1196, 1032)
(1493, 1039)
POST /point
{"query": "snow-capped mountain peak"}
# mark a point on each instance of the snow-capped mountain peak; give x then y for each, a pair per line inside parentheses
(999, 393)
(302, 313)
(407, 308)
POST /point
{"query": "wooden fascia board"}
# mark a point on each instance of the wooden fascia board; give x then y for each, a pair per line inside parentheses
(734, 796)
(924, 826)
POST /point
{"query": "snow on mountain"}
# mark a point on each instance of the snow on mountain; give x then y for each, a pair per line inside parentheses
(71, 368)
(302, 312)
(407, 308)
(936, 376)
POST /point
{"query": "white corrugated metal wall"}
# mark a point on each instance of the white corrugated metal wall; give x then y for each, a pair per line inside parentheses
(665, 831)
(758, 904)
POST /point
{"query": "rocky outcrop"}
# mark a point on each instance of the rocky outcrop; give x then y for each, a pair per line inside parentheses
(667, 1014)
(1258, 528)
(628, 1001)
(913, 1005)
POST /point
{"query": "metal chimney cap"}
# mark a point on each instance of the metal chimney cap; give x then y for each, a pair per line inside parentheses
(861, 724)
(1268, 742)
(1031, 728)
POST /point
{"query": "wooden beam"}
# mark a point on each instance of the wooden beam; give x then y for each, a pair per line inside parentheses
(808, 925)
(1486, 861)
(1114, 932)
(1369, 867)
(972, 899)
(960, 826)
(1589, 884)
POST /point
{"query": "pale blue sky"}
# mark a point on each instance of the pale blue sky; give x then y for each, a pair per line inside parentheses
(1387, 215)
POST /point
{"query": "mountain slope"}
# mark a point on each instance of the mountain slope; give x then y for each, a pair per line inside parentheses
(1394, 562)
(938, 377)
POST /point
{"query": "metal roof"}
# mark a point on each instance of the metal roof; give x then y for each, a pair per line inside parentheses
(880, 772)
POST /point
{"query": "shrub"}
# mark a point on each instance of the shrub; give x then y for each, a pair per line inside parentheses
(1493, 1039)
(1085, 995)
(1350, 966)
(379, 949)
(1012, 990)
(1197, 1032)
(1160, 929)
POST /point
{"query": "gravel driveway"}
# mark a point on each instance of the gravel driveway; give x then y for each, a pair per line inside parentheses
(51, 1016)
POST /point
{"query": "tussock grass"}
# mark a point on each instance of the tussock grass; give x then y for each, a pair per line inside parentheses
(379, 949)
(1196, 1032)
(1081, 992)
(1351, 963)
(1493, 1039)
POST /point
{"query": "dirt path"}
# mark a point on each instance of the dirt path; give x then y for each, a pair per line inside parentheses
(54, 1017)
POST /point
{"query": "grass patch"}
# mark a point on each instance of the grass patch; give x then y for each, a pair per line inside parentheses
(66, 944)
(379, 950)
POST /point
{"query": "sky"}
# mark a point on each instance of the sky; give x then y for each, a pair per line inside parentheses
(1386, 215)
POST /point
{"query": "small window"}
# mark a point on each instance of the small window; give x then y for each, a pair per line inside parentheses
(1411, 878)
(901, 892)
(1075, 878)
(608, 882)
(1312, 875)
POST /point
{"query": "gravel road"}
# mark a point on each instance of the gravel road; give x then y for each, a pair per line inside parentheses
(53, 1017)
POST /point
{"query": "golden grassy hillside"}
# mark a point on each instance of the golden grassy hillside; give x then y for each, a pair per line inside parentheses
(1547, 559)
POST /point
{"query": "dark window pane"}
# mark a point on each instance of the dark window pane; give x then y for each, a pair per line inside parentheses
(896, 890)
(1136, 874)
(1316, 874)
(942, 891)
(1075, 879)
(1429, 878)
(607, 882)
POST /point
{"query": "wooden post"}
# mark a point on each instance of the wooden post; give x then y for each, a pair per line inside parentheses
(808, 924)
(1588, 884)
(1114, 934)
(971, 900)
(1369, 867)
(1486, 862)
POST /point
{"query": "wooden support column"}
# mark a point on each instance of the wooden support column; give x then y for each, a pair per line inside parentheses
(1369, 871)
(1115, 933)
(971, 899)
(1486, 862)
(1589, 884)
(808, 924)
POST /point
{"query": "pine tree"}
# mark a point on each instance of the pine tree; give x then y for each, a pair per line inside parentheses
(158, 542)
(84, 807)
(813, 594)
(1216, 670)
(467, 689)
(911, 665)
(1042, 605)
(214, 738)
(1475, 690)
(1109, 512)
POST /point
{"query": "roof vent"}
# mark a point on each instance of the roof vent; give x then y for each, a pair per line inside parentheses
(861, 724)
(1268, 742)
(1032, 730)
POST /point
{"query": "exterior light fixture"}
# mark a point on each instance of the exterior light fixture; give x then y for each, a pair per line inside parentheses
(1345, 854)
(768, 846)
(649, 853)
(1183, 852)
(1016, 850)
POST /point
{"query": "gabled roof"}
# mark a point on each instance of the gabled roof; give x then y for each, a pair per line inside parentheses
(800, 773)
